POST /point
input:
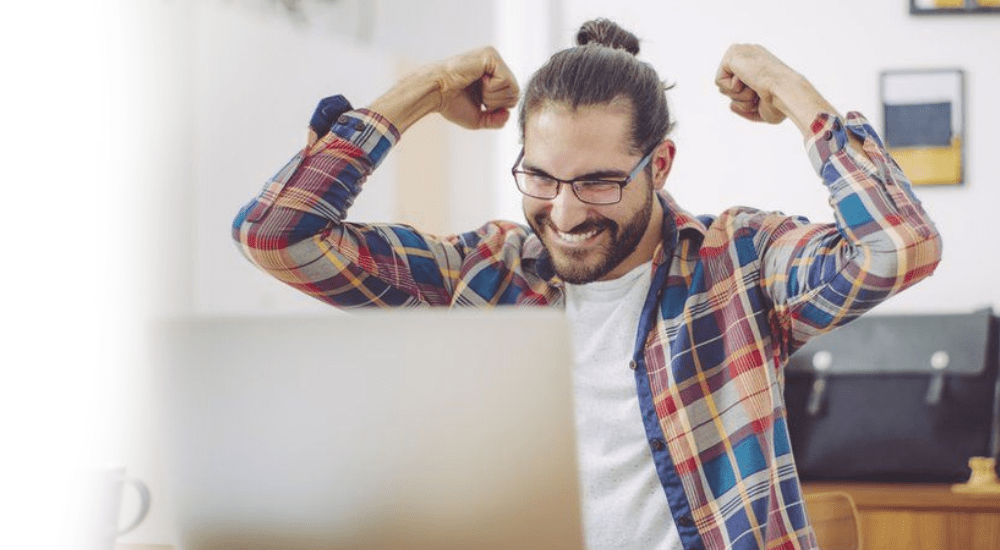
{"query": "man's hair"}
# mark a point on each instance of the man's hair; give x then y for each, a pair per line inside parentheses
(602, 68)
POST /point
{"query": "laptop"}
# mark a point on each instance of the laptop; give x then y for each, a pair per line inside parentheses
(381, 429)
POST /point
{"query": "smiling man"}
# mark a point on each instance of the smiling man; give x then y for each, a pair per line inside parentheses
(681, 324)
(600, 227)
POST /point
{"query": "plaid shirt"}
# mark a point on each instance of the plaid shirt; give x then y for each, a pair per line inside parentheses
(731, 298)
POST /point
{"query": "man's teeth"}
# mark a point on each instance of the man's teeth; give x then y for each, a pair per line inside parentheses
(576, 237)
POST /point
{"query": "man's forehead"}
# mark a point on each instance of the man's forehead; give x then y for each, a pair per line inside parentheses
(556, 129)
(617, 109)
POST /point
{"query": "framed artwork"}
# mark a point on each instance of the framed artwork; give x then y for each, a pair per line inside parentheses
(932, 7)
(924, 116)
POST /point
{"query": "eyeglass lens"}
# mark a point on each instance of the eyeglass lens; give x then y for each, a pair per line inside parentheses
(544, 187)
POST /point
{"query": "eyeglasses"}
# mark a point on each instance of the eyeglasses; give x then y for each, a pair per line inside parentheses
(588, 190)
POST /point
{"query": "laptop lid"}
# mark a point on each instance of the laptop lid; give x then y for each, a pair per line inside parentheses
(382, 429)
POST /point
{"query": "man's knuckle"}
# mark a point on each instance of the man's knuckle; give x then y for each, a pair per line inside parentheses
(488, 53)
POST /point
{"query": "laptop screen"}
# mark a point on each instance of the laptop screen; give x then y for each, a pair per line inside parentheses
(444, 429)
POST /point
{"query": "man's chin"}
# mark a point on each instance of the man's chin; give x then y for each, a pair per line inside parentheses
(578, 269)
(578, 264)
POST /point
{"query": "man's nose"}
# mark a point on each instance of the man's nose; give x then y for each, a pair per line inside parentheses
(567, 210)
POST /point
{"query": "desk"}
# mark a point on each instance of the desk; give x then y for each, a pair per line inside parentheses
(895, 517)
(921, 516)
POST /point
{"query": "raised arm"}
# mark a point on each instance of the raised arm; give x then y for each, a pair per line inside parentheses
(821, 276)
(295, 229)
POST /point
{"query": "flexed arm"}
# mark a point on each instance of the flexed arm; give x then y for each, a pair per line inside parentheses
(820, 276)
(295, 229)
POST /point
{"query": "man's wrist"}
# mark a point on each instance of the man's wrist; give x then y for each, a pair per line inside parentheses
(410, 99)
(798, 99)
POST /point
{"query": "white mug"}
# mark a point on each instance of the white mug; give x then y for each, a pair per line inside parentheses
(102, 499)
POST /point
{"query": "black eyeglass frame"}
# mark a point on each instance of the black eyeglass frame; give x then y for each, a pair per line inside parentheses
(572, 183)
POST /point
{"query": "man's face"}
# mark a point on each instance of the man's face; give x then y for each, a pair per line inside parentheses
(589, 242)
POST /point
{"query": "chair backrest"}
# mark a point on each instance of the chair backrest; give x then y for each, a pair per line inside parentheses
(835, 520)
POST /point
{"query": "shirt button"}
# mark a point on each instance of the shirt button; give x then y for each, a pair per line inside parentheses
(657, 444)
(359, 126)
(342, 119)
(685, 521)
(828, 135)
(633, 365)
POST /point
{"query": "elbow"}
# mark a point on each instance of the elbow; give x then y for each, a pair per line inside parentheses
(246, 238)
(275, 228)
(278, 241)
(238, 229)
(927, 253)
(916, 256)
(253, 237)
(258, 238)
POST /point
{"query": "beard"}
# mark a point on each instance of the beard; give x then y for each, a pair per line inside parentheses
(587, 265)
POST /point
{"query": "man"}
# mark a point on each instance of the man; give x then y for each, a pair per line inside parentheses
(681, 324)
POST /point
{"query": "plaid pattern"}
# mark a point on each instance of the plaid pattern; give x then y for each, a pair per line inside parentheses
(732, 297)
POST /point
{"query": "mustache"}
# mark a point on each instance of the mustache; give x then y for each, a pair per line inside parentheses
(542, 220)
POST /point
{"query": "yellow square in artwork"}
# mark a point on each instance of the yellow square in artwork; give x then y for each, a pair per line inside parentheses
(949, 3)
(989, 3)
(931, 165)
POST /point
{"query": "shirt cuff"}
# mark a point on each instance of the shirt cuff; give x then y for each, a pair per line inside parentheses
(829, 136)
(326, 112)
(367, 130)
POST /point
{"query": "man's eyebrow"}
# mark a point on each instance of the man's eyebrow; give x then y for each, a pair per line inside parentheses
(595, 175)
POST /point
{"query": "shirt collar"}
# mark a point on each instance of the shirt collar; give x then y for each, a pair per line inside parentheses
(677, 223)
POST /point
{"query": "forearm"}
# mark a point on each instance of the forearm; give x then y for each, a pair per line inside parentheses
(864, 182)
(316, 188)
(410, 99)
(798, 99)
(795, 96)
(820, 276)
(875, 206)
(295, 230)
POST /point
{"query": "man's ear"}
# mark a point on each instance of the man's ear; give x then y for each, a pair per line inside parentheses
(662, 161)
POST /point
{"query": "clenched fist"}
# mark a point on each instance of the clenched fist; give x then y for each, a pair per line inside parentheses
(477, 89)
(474, 90)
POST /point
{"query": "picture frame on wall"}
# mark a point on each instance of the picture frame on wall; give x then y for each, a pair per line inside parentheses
(924, 123)
(936, 7)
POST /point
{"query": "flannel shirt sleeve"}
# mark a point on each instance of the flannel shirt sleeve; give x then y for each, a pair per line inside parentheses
(294, 228)
(821, 276)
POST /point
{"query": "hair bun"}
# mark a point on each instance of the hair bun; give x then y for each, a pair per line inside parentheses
(607, 33)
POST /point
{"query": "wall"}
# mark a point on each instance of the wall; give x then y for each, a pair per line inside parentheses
(37, 435)
(841, 47)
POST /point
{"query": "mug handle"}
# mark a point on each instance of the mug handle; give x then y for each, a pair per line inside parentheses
(143, 507)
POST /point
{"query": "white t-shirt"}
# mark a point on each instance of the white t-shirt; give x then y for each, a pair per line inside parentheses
(624, 505)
